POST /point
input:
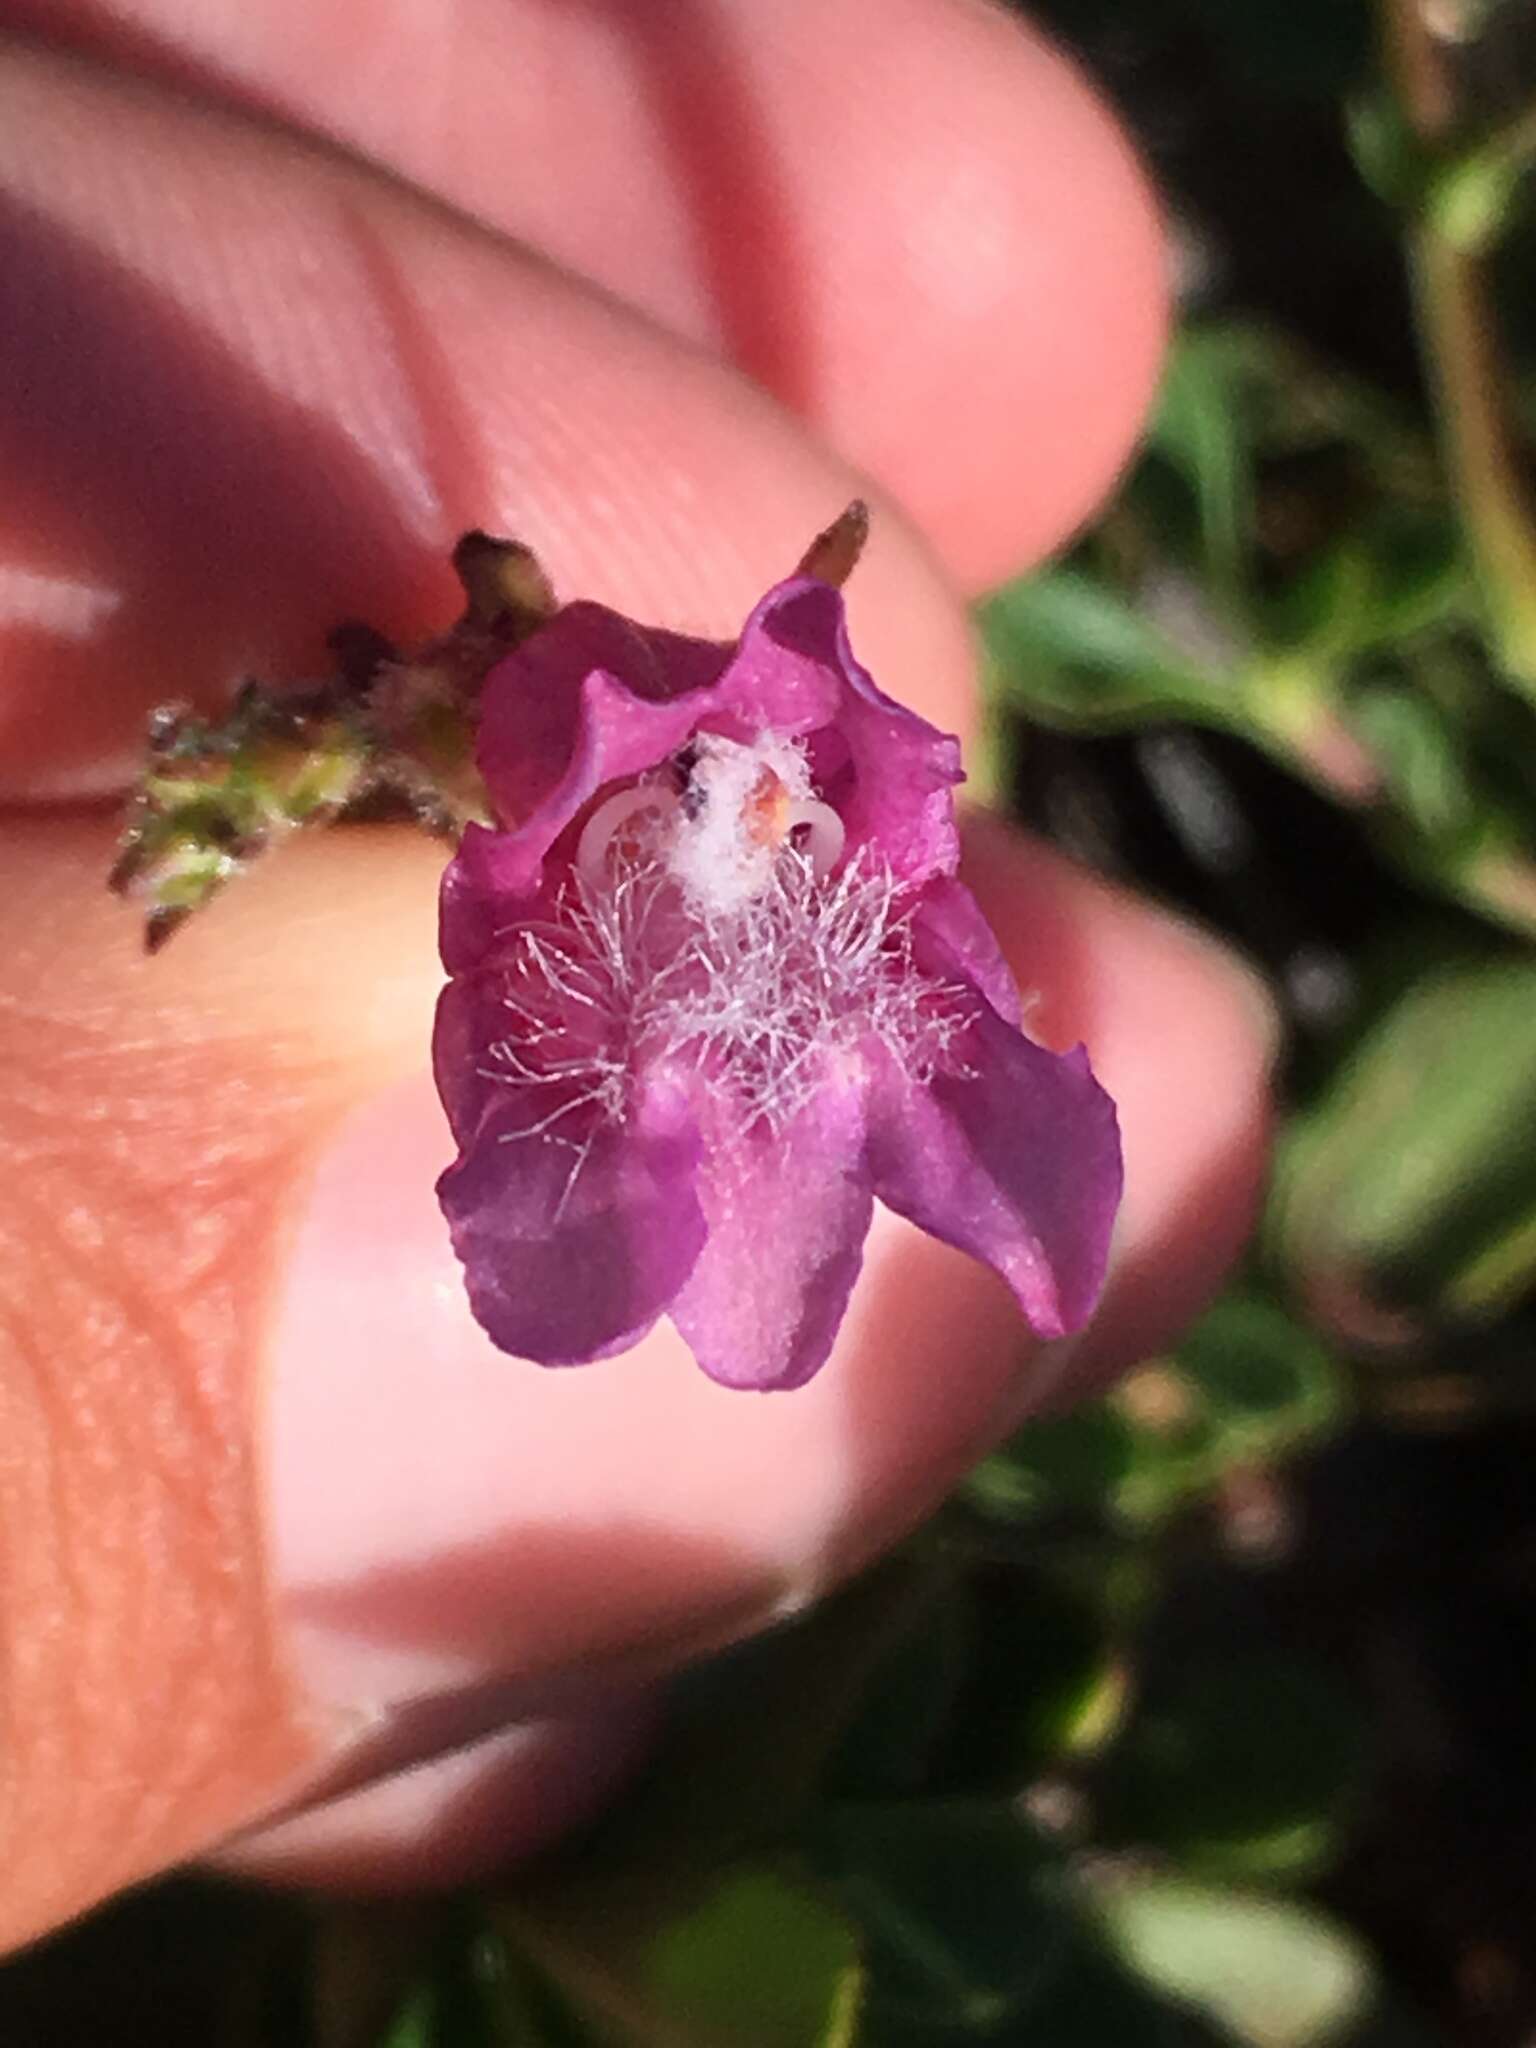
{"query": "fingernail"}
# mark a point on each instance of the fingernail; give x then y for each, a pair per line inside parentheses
(456, 1817)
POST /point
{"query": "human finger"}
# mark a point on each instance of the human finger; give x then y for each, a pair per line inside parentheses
(253, 391)
(276, 1515)
(459, 1813)
(911, 220)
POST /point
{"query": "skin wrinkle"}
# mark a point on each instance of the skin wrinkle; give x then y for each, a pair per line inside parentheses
(673, 538)
(82, 1545)
(155, 1123)
(263, 519)
(128, 1526)
(628, 139)
(452, 456)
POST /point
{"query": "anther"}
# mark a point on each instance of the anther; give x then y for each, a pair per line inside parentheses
(817, 831)
(607, 825)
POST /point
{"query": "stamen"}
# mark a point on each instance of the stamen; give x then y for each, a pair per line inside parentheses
(607, 823)
(760, 1000)
(818, 832)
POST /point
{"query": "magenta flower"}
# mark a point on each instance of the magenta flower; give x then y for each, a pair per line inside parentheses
(714, 989)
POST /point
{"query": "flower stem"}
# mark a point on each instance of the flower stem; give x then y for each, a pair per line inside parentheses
(1465, 360)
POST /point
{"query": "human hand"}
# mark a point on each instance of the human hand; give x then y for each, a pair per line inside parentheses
(275, 1518)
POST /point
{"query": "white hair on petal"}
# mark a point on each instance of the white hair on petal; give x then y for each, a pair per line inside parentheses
(765, 998)
(804, 972)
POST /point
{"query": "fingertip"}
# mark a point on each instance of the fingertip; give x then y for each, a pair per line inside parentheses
(442, 1513)
(456, 1818)
(915, 222)
(216, 464)
(1003, 292)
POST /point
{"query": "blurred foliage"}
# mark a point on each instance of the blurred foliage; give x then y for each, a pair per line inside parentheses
(1204, 1713)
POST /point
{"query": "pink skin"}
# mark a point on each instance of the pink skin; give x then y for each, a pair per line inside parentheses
(924, 151)
(264, 386)
(709, 1499)
(494, 1801)
(443, 1521)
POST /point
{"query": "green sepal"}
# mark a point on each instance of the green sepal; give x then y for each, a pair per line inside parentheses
(390, 727)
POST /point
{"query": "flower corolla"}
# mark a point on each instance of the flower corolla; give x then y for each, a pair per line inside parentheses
(714, 989)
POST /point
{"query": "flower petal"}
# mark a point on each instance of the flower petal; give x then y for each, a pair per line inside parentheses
(788, 671)
(474, 902)
(887, 772)
(598, 1184)
(574, 1238)
(470, 1017)
(1015, 1159)
(588, 699)
(954, 941)
(787, 1217)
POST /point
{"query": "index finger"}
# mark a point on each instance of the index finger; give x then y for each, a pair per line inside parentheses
(910, 220)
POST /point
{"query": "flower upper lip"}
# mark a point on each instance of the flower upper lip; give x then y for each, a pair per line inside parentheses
(593, 700)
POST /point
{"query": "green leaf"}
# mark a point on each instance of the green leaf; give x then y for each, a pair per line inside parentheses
(625, 1929)
(1247, 1385)
(455, 1983)
(414, 2027)
(1278, 1975)
(1068, 646)
(1064, 1465)
(1388, 154)
(1266, 1383)
(1390, 576)
(889, 1748)
(1409, 1191)
(964, 1914)
(1009, 1671)
(1200, 427)
(762, 1963)
(1424, 759)
(753, 1957)
(1239, 1767)
(1471, 198)
(1096, 2002)
(1045, 1685)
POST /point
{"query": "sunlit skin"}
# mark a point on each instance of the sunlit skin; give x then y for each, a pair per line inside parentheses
(296, 293)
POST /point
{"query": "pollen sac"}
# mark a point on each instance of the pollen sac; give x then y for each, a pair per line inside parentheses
(714, 990)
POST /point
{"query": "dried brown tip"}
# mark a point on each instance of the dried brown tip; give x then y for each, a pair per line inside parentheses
(504, 586)
(164, 727)
(160, 925)
(126, 867)
(360, 651)
(833, 555)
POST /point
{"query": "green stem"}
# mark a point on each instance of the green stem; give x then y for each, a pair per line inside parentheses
(1465, 363)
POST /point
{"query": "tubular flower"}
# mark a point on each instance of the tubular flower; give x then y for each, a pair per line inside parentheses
(714, 989)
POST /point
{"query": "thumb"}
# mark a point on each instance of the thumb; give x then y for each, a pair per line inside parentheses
(274, 1515)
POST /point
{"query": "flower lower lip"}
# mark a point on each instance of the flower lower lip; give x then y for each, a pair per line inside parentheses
(732, 969)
